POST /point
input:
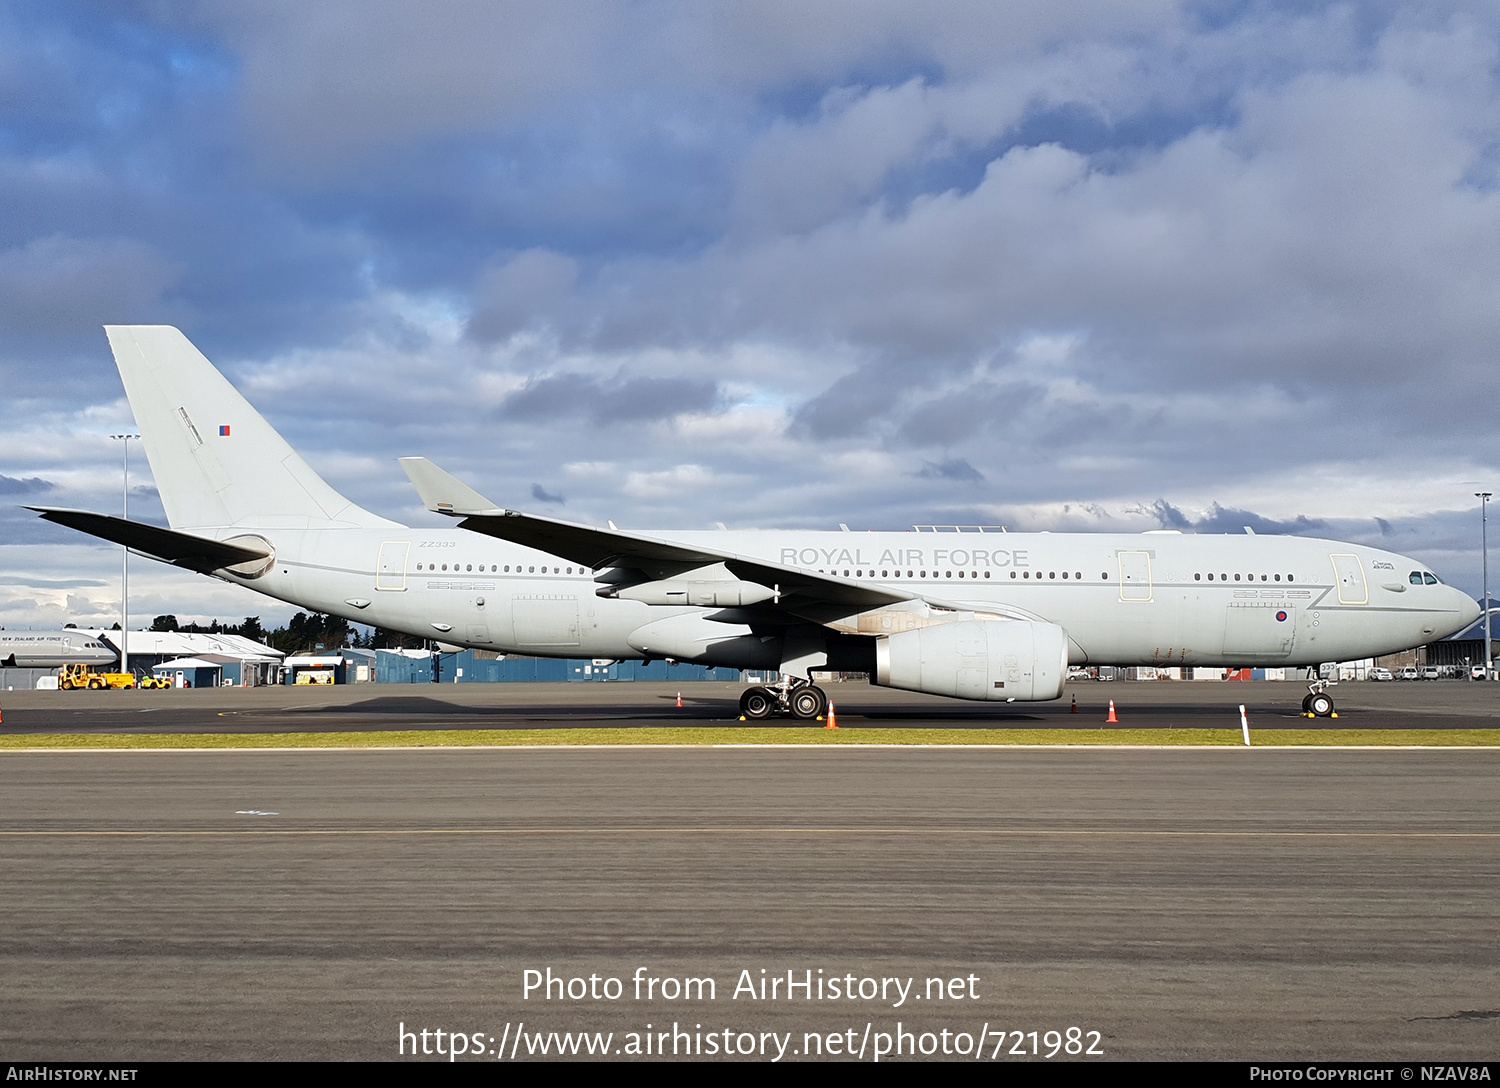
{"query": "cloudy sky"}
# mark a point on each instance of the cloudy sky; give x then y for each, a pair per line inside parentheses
(1107, 264)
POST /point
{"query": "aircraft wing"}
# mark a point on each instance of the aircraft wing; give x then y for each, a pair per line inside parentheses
(180, 549)
(800, 592)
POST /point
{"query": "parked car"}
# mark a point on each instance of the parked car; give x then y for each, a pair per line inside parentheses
(1476, 672)
(1431, 672)
(1410, 672)
(1381, 674)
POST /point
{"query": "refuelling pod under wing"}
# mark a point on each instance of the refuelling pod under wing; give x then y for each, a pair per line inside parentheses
(991, 660)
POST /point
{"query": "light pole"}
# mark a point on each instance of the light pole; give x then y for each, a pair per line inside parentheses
(1484, 538)
(125, 559)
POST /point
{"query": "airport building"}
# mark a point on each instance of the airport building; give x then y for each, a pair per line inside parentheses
(486, 666)
(243, 660)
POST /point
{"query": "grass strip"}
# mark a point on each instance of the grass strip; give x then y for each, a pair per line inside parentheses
(751, 735)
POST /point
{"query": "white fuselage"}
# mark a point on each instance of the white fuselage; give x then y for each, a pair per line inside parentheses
(49, 649)
(1149, 599)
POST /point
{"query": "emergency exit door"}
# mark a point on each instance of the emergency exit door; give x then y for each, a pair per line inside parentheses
(1135, 576)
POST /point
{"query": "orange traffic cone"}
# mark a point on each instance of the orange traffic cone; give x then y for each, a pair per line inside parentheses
(1112, 719)
(833, 721)
(679, 700)
(1075, 705)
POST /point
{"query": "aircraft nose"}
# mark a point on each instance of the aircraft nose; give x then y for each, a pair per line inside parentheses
(1468, 609)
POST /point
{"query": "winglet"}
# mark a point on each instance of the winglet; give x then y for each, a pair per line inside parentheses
(443, 493)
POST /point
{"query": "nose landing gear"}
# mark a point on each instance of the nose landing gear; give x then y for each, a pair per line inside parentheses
(791, 699)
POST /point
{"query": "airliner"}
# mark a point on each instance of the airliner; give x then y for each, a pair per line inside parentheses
(49, 649)
(979, 615)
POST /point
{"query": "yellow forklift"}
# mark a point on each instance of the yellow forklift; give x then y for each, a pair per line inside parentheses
(72, 677)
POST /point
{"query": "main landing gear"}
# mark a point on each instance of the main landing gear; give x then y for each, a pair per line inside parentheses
(789, 699)
(1318, 703)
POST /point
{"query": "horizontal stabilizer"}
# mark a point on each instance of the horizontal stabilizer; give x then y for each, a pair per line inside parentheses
(180, 549)
(444, 493)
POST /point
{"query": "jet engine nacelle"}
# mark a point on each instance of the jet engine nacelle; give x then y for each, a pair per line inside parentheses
(995, 660)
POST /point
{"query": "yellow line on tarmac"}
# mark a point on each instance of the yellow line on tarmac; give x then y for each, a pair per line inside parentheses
(749, 831)
(810, 736)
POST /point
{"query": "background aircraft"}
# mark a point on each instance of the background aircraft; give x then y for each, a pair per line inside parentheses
(976, 615)
(49, 649)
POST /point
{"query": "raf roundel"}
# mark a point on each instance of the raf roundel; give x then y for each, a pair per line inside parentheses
(1281, 617)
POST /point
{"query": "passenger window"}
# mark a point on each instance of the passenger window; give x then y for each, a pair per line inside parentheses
(1415, 578)
(1197, 577)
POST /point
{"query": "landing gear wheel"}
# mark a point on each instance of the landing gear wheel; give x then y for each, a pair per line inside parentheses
(757, 704)
(809, 703)
(1306, 699)
(1320, 705)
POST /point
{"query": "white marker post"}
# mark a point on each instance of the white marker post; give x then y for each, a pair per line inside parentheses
(1245, 725)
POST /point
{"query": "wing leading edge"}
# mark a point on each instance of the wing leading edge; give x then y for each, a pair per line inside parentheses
(800, 592)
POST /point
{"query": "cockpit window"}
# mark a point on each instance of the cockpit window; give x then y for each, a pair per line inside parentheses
(1416, 578)
(1430, 579)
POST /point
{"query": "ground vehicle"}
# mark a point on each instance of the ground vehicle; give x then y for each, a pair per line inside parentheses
(81, 676)
(1431, 672)
(71, 677)
(1381, 674)
(1411, 672)
(1476, 672)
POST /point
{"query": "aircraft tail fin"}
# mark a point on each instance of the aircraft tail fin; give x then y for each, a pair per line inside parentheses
(217, 462)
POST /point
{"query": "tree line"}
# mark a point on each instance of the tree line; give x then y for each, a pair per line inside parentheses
(306, 632)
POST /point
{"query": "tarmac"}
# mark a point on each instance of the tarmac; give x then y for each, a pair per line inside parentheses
(1433, 704)
(1244, 904)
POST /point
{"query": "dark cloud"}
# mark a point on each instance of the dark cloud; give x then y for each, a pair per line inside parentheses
(1094, 248)
(615, 400)
(955, 469)
(1220, 519)
(31, 485)
(541, 494)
